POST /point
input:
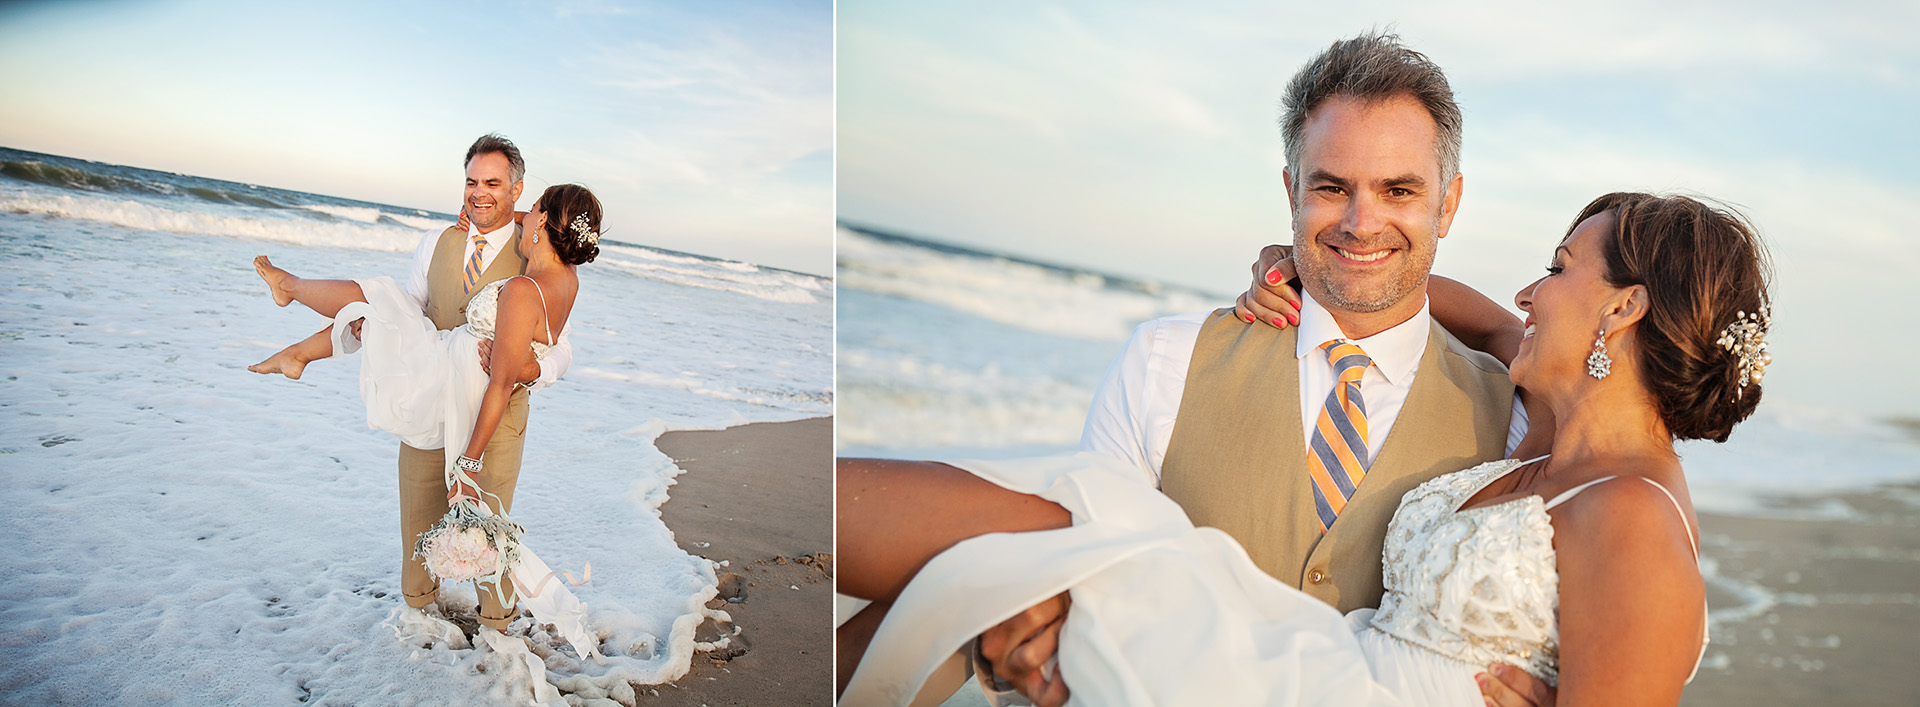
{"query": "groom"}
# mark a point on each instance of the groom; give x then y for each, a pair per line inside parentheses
(448, 268)
(1232, 419)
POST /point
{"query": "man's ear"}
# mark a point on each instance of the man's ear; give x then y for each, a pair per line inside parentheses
(518, 187)
(1450, 204)
(1286, 178)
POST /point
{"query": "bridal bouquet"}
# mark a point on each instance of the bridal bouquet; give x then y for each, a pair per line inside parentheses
(470, 544)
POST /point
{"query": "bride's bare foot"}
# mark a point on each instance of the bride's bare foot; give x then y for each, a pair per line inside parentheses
(278, 281)
(287, 363)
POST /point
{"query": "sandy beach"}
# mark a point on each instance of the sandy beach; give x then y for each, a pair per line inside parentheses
(1809, 608)
(760, 498)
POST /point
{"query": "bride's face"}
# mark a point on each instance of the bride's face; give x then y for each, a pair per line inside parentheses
(1563, 309)
(531, 225)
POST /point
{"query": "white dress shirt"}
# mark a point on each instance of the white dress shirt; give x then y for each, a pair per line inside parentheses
(1134, 409)
(557, 359)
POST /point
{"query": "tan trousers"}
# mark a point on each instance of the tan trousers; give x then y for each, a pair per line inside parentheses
(423, 500)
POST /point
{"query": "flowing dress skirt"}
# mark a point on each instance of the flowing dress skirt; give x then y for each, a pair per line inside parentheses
(1163, 613)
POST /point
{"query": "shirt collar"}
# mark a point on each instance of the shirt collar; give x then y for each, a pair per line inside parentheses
(491, 241)
(1396, 351)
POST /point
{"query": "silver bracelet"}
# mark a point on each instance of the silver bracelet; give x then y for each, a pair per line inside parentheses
(470, 464)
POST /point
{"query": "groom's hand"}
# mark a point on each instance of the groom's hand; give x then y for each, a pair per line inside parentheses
(529, 372)
(1019, 648)
(1270, 300)
(1507, 686)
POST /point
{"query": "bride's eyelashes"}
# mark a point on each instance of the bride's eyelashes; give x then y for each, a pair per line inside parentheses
(1555, 269)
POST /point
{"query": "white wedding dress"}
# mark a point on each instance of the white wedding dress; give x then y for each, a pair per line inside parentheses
(420, 383)
(425, 386)
(1164, 613)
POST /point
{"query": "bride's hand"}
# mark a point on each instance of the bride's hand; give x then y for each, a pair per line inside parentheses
(466, 225)
(1018, 650)
(460, 490)
(1270, 299)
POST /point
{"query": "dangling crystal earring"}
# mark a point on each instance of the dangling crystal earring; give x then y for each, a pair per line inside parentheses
(1598, 363)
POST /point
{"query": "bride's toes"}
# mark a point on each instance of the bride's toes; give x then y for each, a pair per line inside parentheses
(283, 363)
(276, 280)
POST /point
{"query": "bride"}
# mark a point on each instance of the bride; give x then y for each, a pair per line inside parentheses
(429, 386)
(1576, 560)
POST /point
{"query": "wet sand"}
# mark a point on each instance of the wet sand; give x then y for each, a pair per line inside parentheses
(760, 497)
(1812, 610)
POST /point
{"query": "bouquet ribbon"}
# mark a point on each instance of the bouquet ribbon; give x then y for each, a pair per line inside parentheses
(550, 602)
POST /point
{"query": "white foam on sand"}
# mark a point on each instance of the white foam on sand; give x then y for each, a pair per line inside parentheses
(182, 531)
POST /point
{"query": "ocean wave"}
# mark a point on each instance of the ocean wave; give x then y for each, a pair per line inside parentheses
(1039, 298)
(261, 225)
(227, 196)
(64, 177)
(363, 214)
(422, 220)
(726, 276)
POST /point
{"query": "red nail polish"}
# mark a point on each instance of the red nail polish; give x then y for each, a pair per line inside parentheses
(1273, 277)
(1295, 318)
(1279, 324)
(1249, 319)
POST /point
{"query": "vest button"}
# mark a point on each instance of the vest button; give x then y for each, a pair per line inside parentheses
(1315, 576)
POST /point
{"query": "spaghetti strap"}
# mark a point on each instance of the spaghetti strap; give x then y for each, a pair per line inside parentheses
(1570, 493)
(543, 309)
(1683, 515)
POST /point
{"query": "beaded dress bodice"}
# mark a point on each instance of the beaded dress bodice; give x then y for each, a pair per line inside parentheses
(1478, 585)
(483, 312)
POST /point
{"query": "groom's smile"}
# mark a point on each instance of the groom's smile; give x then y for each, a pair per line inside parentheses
(1364, 256)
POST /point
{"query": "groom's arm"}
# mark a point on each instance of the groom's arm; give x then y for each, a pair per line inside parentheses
(416, 287)
(1132, 415)
(1130, 420)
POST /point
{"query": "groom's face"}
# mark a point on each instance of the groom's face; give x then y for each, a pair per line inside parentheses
(1369, 206)
(491, 191)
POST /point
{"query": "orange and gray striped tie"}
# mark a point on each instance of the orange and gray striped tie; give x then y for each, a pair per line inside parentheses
(1337, 454)
(473, 263)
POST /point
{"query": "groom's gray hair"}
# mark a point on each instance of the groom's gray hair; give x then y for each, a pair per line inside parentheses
(495, 142)
(1372, 67)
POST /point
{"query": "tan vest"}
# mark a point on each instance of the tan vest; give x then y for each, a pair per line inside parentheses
(446, 295)
(1236, 460)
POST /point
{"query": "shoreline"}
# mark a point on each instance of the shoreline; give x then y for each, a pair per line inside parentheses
(760, 498)
(1811, 610)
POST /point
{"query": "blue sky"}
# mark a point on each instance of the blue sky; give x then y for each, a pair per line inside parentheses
(704, 127)
(1142, 140)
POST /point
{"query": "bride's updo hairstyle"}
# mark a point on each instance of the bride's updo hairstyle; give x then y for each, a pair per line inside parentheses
(573, 222)
(1703, 267)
